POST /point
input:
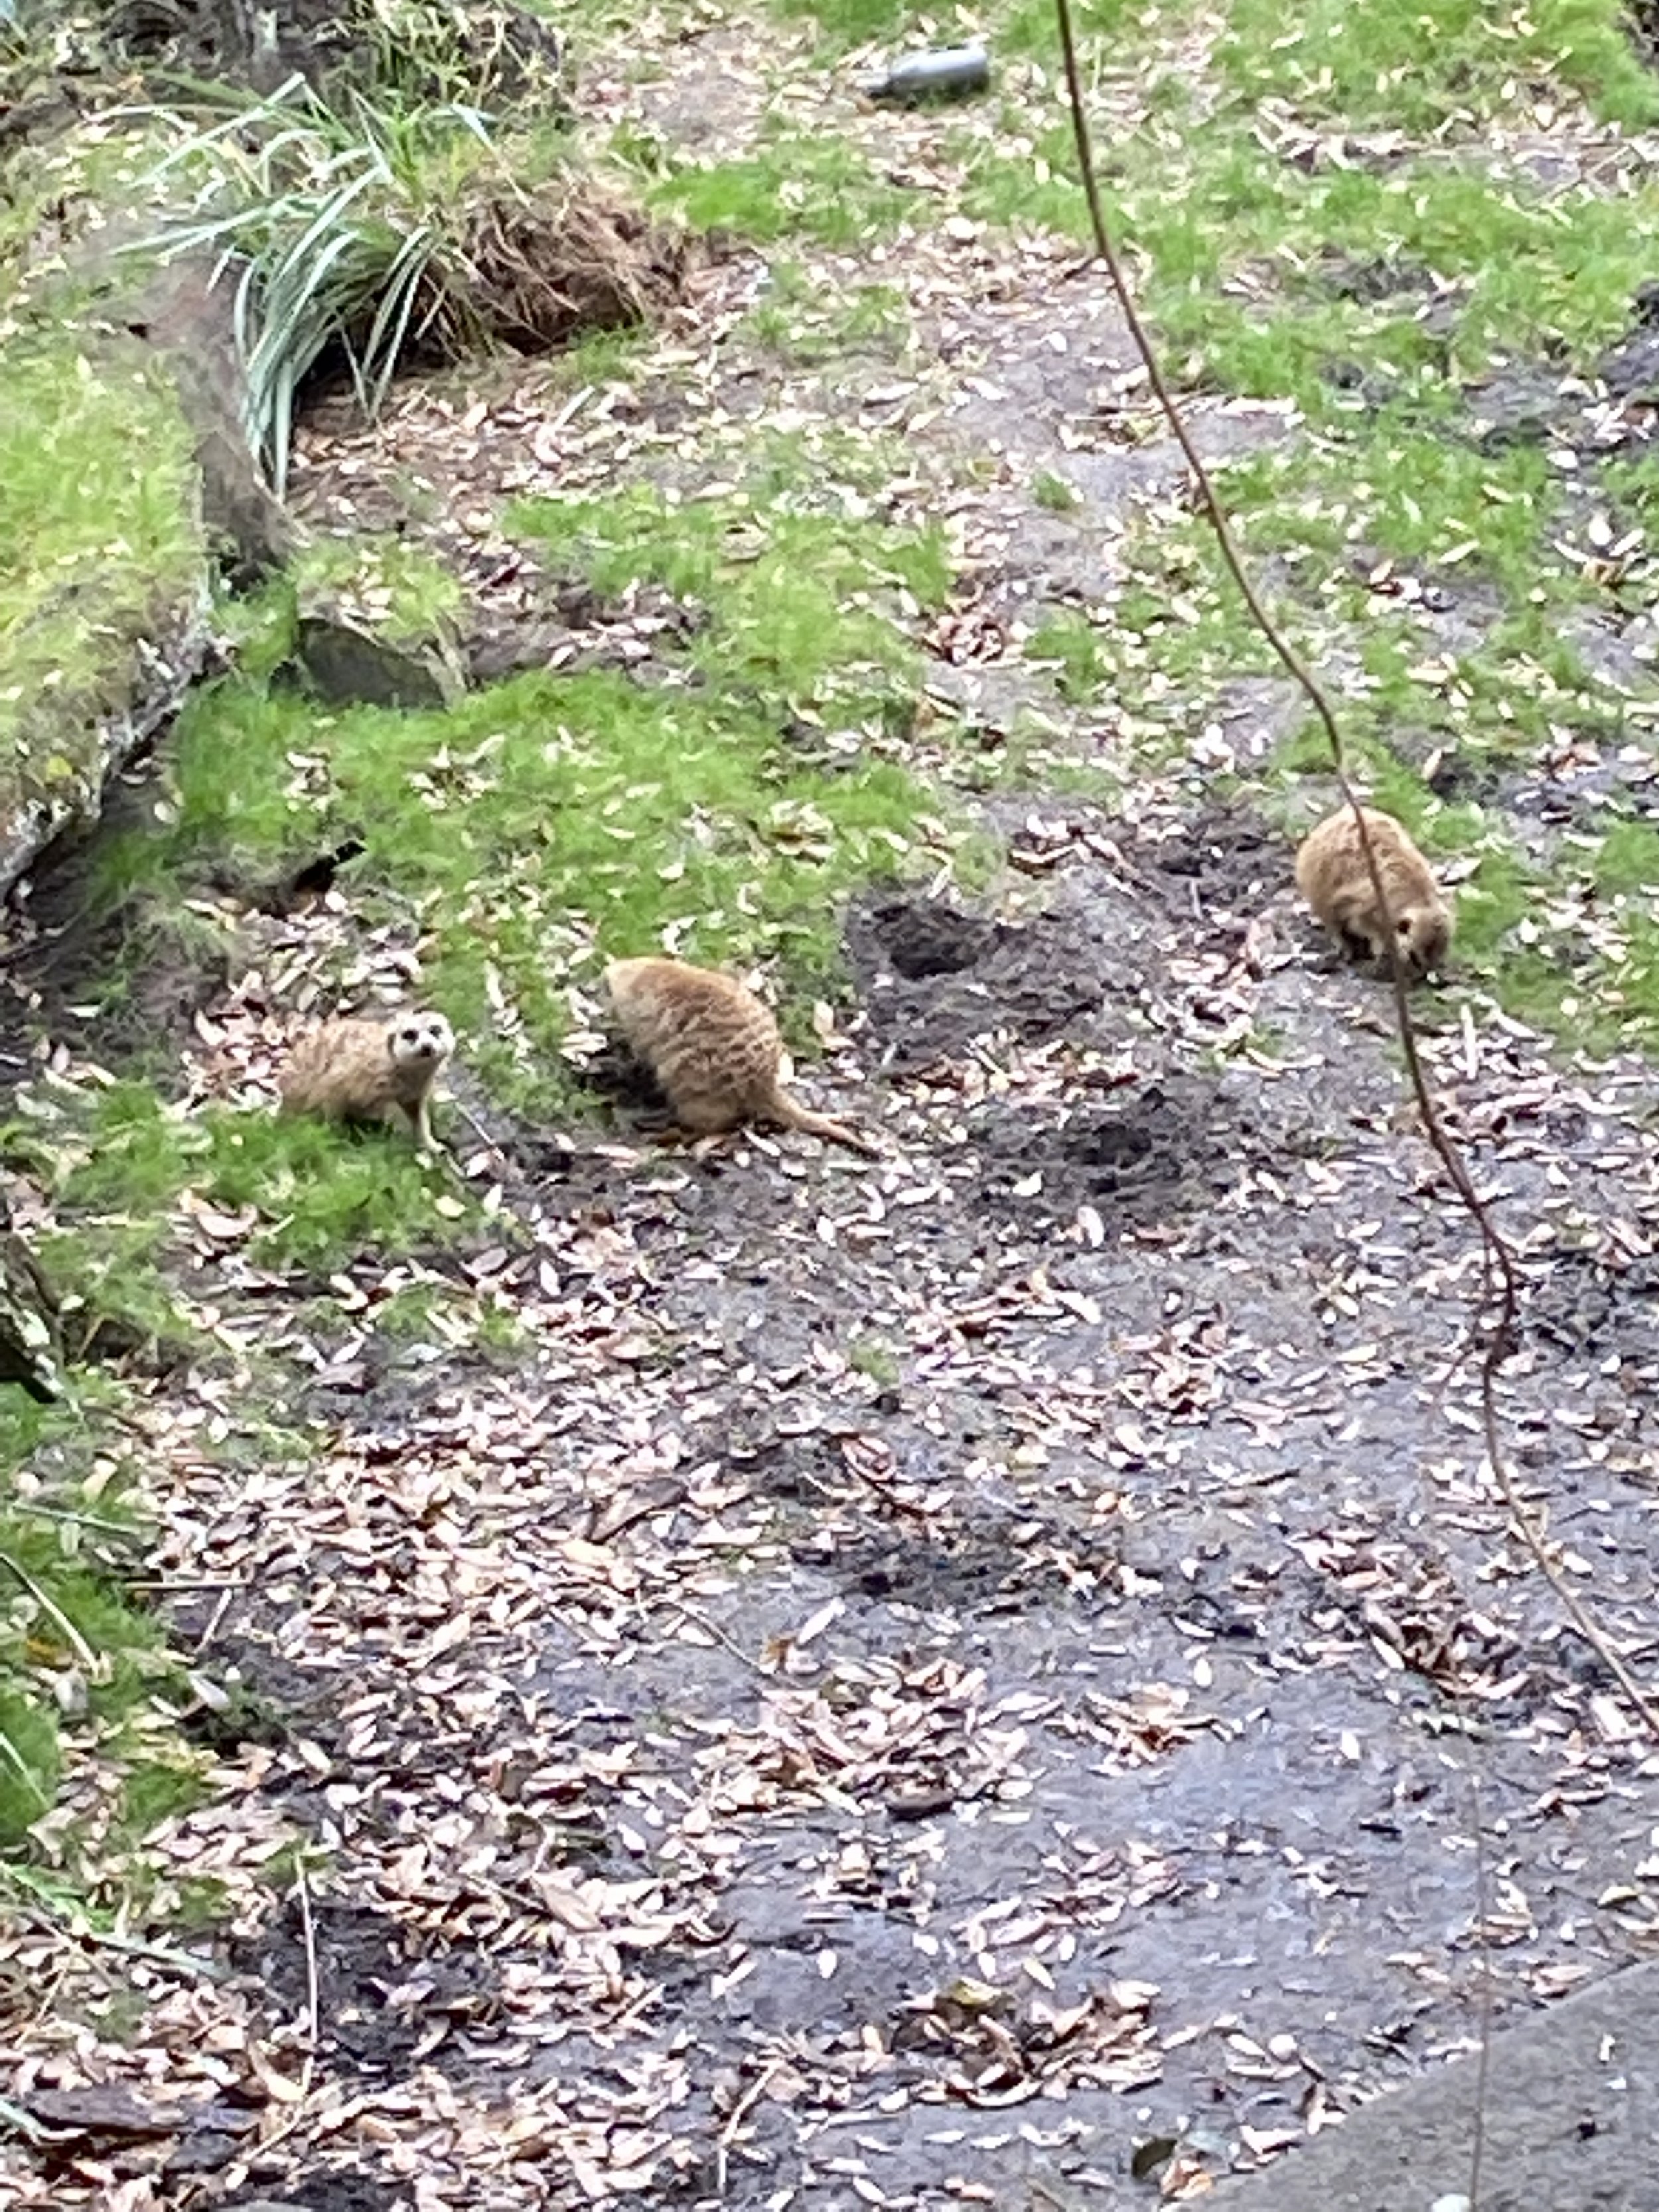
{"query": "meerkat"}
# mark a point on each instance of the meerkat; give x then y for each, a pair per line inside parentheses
(369, 1071)
(715, 1049)
(1331, 874)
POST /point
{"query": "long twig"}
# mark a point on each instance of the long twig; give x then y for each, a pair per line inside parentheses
(1483, 2058)
(314, 2009)
(697, 1618)
(739, 2113)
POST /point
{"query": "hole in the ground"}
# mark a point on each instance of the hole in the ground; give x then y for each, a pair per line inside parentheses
(1109, 1144)
(922, 938)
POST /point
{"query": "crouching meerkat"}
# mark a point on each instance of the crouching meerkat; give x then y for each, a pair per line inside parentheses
(1331, 874)
(713, 1048)
(353, 1069)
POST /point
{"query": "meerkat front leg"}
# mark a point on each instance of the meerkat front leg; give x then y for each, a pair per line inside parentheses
(429, 1144)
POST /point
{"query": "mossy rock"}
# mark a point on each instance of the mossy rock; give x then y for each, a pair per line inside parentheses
(104, 570)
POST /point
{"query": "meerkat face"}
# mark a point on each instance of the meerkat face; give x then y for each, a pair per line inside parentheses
(1425, 933)
(419, 1040)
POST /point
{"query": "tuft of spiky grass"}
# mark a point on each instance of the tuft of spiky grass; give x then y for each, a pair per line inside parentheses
(376, 231)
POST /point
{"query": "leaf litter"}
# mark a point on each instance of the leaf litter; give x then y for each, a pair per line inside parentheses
(902, 1685)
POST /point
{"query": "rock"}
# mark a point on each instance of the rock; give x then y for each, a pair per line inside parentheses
(346, 664)
(1571, 2115)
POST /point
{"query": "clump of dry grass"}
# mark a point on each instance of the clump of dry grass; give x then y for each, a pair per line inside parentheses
(570, 258)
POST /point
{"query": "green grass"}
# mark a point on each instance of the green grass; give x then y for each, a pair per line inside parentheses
(1053, 493)
(1071, 641)
(397, 589)
(319, 1196)
(101, 550)
(1367, 291)
(817, 187)
(552, 821)
(723, 808)
(70, 1640)
(724, 802)
(1415, 70)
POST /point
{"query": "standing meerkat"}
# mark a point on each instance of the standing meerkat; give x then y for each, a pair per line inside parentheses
(352, 1070)
(713, 1048)
(1331, 874)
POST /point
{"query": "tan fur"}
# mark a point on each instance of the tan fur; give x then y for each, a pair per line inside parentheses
(1332, 876)
(713, 1047)
(367, 1070)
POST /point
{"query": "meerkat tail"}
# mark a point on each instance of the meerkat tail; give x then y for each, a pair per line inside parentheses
(793, 1115)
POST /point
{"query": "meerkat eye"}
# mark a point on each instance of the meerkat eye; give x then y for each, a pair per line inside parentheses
(1404, 925)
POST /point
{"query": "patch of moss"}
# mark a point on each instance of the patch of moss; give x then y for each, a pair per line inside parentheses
(101, 552)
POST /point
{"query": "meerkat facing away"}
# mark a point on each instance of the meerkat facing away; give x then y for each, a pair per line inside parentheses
(715, 1049)
(352, 1070)
(1331, 874)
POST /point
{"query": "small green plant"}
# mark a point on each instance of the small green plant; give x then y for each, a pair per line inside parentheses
(1068, 639)
(1053, 494)
(869, 1355)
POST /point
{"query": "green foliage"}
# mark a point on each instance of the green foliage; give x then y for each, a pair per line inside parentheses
(68, 1635)
(1069, 639)
(819, 187)
(554, 821)
(441, 52)
(1053, 493)
(321, 1196)
(352, 224)
(1417, 69)
(398, 590)
(158, 1790)
(30, 1766)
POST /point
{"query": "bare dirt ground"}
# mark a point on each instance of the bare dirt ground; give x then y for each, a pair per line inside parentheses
(930, 1684)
